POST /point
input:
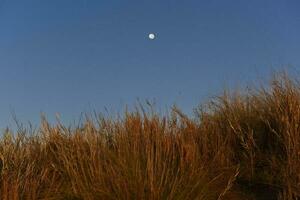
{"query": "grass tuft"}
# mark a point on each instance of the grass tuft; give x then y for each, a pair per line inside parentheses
(239, 146)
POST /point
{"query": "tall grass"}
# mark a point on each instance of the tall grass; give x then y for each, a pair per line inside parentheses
(240, 145)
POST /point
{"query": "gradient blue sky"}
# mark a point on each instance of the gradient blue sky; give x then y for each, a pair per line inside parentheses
(72, 56)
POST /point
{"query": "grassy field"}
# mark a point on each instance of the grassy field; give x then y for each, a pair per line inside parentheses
(240, 145)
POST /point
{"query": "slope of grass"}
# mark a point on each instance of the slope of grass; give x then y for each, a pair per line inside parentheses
(239, 146)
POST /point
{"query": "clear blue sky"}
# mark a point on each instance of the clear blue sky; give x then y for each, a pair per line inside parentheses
(72, 56)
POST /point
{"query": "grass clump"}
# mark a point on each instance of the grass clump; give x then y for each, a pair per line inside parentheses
(239, 146)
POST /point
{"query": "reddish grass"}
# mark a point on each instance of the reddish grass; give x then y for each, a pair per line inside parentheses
(239, 146)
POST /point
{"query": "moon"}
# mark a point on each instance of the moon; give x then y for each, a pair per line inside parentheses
(151, 36)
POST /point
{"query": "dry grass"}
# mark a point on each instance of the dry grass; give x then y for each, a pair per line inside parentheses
(239, 146)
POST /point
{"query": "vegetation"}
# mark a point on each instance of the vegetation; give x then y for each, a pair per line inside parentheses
(240, 145)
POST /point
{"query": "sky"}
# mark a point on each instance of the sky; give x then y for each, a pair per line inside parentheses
(69, 57)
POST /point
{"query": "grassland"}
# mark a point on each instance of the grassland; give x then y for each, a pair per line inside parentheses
(240, 145)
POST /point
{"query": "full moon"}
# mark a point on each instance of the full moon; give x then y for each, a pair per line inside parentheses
(151, 36)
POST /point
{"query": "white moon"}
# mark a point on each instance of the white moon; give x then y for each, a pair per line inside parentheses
(151, 36)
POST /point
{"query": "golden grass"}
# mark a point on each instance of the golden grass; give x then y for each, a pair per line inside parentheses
(239, 146)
